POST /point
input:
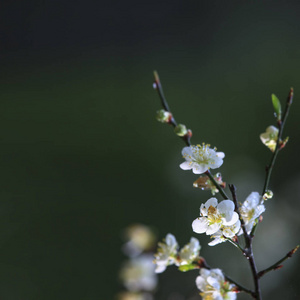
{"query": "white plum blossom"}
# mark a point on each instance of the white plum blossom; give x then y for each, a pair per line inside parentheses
(251, 209)
(166, 253)
(213, 216)
(140, 238)
(226, 232)
(201, 158)
(269, 138)
(189, 252)
(139, 274)
(213, 285)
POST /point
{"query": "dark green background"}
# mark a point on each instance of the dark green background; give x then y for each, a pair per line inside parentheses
(82, 155)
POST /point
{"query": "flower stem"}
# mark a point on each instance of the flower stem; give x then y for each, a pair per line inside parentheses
(278, 265)
(186, 138)
(235, 244)
(248, 251)
(157, 86)
(211, 177)
(269, 168)
(281, 124)
(160, 91)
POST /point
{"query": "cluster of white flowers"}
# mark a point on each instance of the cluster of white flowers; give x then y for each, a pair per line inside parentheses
(216, 217)
(201, 158)
(251, 209)
(168, 254)
(222, 222)
(213, 285)
(138, 272)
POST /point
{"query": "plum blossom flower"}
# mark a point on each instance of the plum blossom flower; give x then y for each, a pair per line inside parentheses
(200, 158)
(226, 232)
(189, 252)
(251, 209)
(166, 253)
(138, 274)
(213, 285)
(269, 138)
(213, 216)
(139, 238)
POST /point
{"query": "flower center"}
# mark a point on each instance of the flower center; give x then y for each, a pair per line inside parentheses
(213, 216)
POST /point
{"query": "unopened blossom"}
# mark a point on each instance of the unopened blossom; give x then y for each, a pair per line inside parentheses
(201, 158)
(213, 285)
(269, 138)
(166, 253)
(226, 232)
(251, 209)
(213, 216)
(189, 252)
(139, 274)
(163, 116)
(204, 183)
(181, 130)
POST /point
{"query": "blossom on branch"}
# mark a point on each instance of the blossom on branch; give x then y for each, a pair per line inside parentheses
(269, 138)
(166, 253)
(213, 216)
(213, 285)
(226, 232)
(201, 158)
(189, 252)
(251, 209)
(204, 183)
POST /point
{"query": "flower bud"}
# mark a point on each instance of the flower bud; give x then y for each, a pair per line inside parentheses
(283, 143)
(268, 195)
(163, 116)
(181, 130)
(269, 138)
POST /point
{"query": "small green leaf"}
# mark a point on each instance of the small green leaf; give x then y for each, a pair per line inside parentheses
(185, 268)
(277, 107)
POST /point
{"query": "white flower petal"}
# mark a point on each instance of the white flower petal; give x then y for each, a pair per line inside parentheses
(171, 240)
(234, 219)
(185, 166)
(226, 208)
(187, 151)
(213, 282)
(221, 154)
(200, 169)
(160, 268)
(231, 296)
(218, 162)
(200, 225)
(211, 202)
(213, 228)
(200, 282)
(253, 199)
(216, 241)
